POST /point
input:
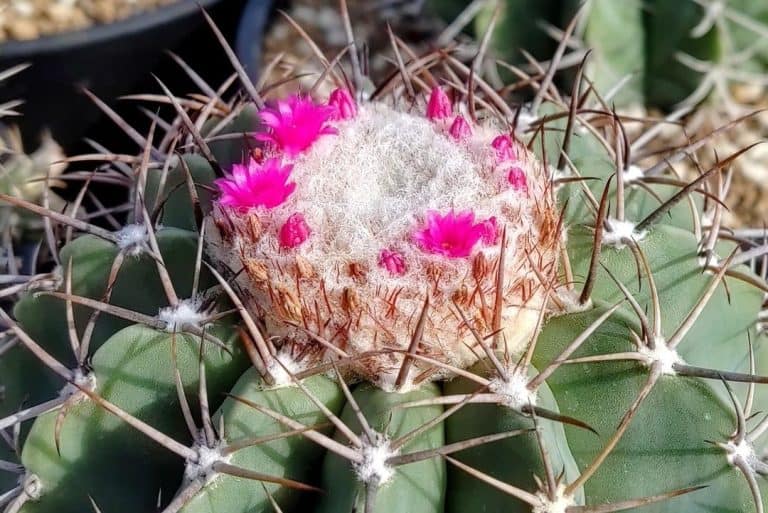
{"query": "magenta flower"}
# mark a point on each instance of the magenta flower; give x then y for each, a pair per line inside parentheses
(453, 235)
(439, 106)
(295, 231)
(490, 231)
(295, 124)
(504, 148)
(392, 261)
(343, 104)
(460, 129)
(517, 179)
(256, 185)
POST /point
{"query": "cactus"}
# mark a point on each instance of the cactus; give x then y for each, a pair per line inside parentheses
(652, 53)
(28, 176)
(416, 298)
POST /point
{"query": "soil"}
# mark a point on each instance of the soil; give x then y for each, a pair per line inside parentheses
(747, 193)
(748, 196)
(30, 19)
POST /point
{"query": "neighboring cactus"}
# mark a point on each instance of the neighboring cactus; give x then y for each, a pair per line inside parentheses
(653, 53)
(28, 176)
(542, 323)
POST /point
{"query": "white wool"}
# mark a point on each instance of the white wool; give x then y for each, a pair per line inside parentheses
(571, 301)
(82, 380)
(282, 368)
(132, 238)
(742, 454)
(388, 169)
(617, 231)
(742, 451)
(202, 468)
(185, 313)
(559, 504)
(374, 469)
(515, 392)
(31, 487)
(632, 174)
(662, 354)
(708, 259)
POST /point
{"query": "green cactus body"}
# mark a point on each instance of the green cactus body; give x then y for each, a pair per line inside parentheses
(413, 487)
(674, 446)
(515, 460)
(92, 262)
(98, 455)
(294, 458)
(662, 52)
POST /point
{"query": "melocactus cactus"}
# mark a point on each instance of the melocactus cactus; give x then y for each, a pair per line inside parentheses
(354, 215)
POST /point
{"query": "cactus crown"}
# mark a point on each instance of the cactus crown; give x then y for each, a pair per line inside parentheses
(378, 199)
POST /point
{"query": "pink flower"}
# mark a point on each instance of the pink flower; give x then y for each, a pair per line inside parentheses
(460, 129)
(256, 185)
(490, 231)
(295, 231)
(392, 261)
(343, 104)
(295, 124)
(517, 179)
(504, 148)
(453, 235)
(439, 106)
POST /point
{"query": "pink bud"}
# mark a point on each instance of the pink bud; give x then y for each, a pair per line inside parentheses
(343, 104)
(439, 106)
(295, 231)
(517, 179)
(489, 231)
(504, 148)
(392, 261)
(460, 129)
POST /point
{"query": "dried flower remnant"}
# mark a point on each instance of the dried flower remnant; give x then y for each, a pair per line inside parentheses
(505, 150)
(415, 201)
(517, 180)
(489, 231)
(294, 232)
(460, 128)
(392, 261)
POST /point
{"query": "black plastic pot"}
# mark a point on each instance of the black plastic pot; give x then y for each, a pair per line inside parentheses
(253, 23)
(110, 60)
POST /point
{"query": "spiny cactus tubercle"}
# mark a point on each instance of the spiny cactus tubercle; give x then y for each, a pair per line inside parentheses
(354, 214)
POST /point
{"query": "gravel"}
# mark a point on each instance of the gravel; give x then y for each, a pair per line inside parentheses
(30, 19)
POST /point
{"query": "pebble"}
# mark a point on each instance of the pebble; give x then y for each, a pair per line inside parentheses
(24, 20)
